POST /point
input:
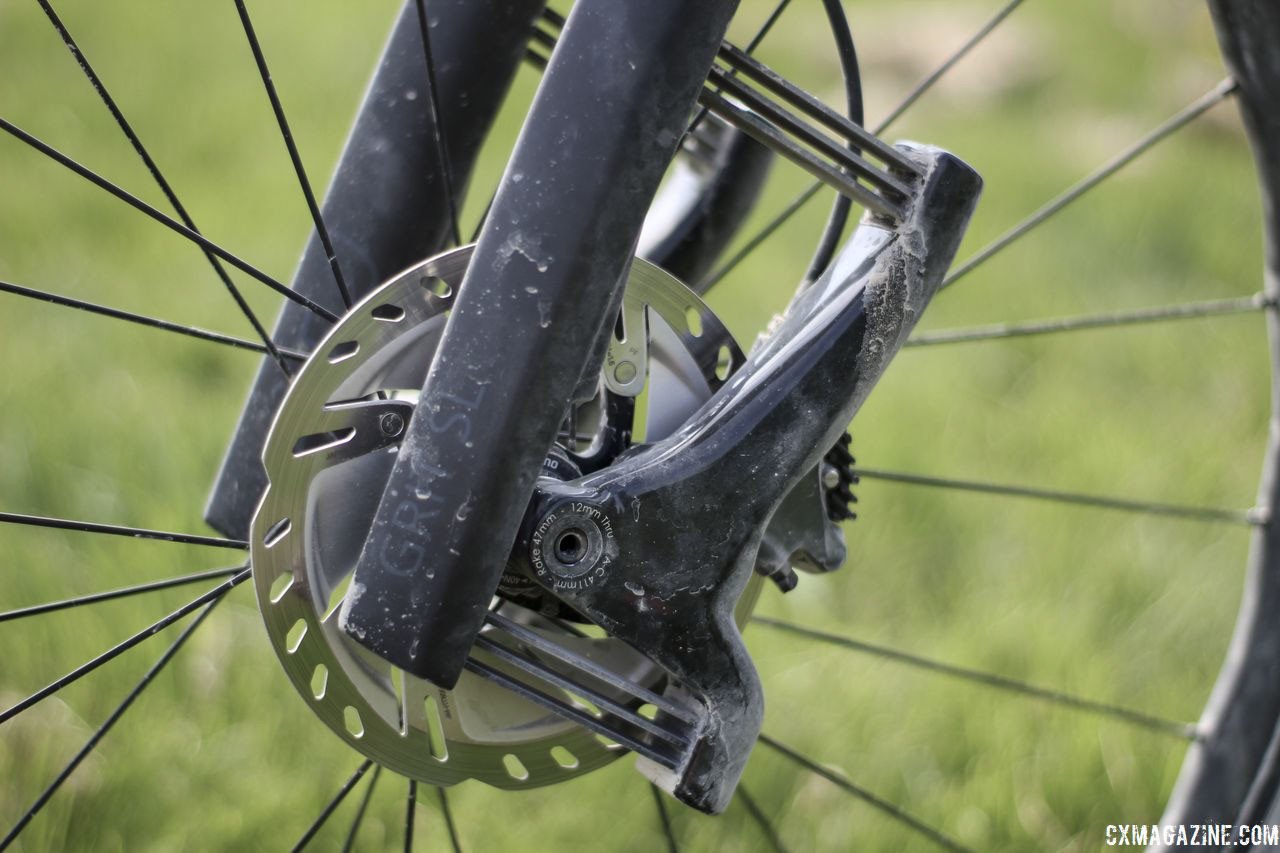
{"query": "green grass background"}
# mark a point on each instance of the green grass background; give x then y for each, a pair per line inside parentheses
(101, 421)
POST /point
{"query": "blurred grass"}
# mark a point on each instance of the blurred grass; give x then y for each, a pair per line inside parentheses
(109, 423)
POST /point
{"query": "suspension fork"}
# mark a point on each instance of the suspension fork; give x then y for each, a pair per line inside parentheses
(387, 207)
(529, 321)
(667, 536)
(674, 529)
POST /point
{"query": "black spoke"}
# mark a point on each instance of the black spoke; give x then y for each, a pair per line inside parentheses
(863, 794)
(761, 819)
(766, 26)
(437, 119)
(364, 806)
(1184, 311)
(989, 679)
(143, 320)
(750, 48)
(267, 345)
(812, 190)
(947, 64)
(759, 237)
(1197, 513)
(664, 819)
(333, 804)
(1181, 119)
(118, 530)
(168, 221)
(448, 819)
(475, 235)
(410, 805)
(102, 730)
(120, 648)
(287, 134)
(37, 609)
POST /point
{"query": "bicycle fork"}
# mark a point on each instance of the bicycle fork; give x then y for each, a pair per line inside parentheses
(665, 539)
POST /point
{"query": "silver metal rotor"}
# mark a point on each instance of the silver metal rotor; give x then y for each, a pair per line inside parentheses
(328, 457)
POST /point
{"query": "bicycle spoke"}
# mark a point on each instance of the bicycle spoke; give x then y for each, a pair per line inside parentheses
(812, 190)
(1185, 311)
(408, 815)
(364, 806)
(475, 235)
(548, 41)
(111, 720)
(294, 156)
(863, 794)
(1254, 516)
(96, 597)
(761, 819)
(1181, 119)
(664, 819)
(947, 64)
(268, 346)
(437, 118)
(333, 804)
(448, 819)
(117, 530)
(143, 320)
(766, 26)
(168, 221)
(715, 276)
(749, 49)
(989, 679)
(115, 651)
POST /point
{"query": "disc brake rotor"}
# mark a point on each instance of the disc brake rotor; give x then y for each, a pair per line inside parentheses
(328, 457)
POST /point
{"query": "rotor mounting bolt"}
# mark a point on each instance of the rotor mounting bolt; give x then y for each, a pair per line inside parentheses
(624, 372)
(830, 476)
(392, 424)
